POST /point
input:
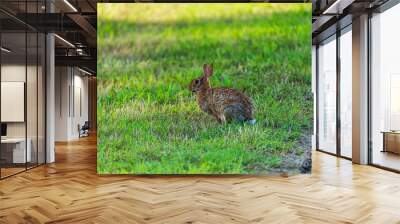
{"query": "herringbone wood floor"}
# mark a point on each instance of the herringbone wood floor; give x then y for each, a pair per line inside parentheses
(70, 191)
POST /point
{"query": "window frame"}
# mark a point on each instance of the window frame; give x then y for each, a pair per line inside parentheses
(339, 32)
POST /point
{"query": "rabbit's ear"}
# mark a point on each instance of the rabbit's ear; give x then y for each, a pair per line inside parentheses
(207, 70)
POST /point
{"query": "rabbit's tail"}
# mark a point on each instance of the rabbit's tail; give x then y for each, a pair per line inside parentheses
(251, 122)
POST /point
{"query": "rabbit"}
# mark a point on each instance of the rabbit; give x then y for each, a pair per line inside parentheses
(225, 104)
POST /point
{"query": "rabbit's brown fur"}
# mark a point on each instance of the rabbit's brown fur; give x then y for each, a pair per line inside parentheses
(225, 104)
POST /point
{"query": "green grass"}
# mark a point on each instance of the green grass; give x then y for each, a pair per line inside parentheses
(148, 120)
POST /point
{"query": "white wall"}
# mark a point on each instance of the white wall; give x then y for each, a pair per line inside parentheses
(14, 72)
(79, 117)
(62, 81)
(70, 83)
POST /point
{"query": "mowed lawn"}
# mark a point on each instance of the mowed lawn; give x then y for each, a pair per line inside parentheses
(148, 120)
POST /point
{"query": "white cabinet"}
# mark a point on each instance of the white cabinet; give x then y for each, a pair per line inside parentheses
(18, 149)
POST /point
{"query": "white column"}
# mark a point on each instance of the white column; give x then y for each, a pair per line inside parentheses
(360, 90)
(50, 100)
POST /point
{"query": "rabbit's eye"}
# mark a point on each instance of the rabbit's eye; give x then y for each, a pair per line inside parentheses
(197, 81)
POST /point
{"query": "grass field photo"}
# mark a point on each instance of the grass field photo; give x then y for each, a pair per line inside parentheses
(204, 88)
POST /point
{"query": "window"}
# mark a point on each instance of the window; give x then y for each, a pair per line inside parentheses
(346, 92)
(385, 88)
(22, 77)
(327, 95)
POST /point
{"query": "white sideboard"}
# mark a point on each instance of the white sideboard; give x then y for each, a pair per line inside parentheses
(18, 145)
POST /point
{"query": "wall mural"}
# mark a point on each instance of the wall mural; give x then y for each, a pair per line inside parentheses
(204, 88)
